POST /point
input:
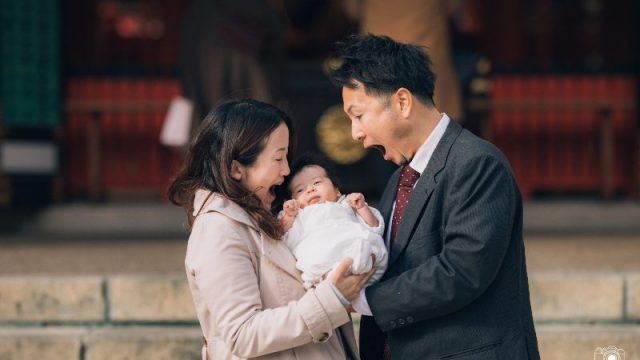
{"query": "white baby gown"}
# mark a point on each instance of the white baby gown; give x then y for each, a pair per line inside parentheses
(324, 234)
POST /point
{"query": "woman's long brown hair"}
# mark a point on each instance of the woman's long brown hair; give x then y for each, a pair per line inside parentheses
(236, 130)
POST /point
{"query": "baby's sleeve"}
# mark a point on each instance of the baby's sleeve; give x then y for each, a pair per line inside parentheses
(377, 229)
(293, 237)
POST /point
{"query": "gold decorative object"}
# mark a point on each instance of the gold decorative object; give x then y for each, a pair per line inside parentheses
(333, 135)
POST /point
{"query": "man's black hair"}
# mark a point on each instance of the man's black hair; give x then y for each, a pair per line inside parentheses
(383, 66)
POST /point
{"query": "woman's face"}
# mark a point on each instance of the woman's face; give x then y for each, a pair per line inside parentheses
(270, 167)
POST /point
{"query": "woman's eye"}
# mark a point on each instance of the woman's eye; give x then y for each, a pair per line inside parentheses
(279, 159)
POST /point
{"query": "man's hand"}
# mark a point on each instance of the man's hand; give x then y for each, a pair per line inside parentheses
(348, 284)
(356, 200)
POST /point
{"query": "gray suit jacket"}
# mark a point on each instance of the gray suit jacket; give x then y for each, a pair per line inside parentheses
(456, 286)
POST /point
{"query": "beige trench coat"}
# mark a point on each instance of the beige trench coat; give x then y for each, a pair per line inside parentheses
(249, 296)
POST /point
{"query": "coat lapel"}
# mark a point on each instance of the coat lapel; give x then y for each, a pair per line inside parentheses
(423, 190)
(275, 251)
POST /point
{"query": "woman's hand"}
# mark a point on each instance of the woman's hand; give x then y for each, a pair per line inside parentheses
(349, 284)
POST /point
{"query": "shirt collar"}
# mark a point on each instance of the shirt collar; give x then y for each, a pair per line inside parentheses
(423, 155)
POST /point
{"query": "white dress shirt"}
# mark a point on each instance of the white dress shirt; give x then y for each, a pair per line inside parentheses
(418, 163)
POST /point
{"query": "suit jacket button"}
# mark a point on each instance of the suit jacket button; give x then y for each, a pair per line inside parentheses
(324, 337)
(401, 322)
(409, 319)
(393, 324)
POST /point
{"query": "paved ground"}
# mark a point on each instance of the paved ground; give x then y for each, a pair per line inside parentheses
(155, 220)
(150, 237)
(24, 256)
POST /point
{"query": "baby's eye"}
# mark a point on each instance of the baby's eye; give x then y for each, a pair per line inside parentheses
(298, 191)
(317, 182)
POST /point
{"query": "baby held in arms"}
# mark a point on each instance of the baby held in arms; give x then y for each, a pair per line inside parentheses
(323, 227)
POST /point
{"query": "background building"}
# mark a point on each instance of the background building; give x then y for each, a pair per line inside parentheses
(91, 255)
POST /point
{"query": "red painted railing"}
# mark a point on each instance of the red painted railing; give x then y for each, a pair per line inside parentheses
(567, 133)
(112, 131)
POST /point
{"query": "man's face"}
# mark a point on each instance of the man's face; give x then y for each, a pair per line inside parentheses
(374, 122)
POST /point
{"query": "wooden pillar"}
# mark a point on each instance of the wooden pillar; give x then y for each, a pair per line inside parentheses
(94, 165)
(606, 153)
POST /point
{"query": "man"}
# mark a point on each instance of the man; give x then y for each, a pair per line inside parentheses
(409, 26)
(456, 285)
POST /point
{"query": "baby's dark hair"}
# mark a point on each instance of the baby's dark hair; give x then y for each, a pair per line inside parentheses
(310, 159)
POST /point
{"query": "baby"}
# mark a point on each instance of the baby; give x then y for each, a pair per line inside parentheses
(323, 227)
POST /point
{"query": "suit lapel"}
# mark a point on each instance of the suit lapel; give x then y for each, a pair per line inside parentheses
(423, 190)
(388, 196)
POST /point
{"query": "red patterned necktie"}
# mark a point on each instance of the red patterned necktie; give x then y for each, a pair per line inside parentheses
(408, 178)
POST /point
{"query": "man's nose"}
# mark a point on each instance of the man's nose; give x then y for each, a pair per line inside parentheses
(356, 133)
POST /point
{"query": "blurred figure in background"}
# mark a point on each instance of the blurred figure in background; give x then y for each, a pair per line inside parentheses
(230, 48)
(420, 22)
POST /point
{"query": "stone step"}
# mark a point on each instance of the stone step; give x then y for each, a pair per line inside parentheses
(557, 342)
(580, 342)
(560, 296)
(101, 343)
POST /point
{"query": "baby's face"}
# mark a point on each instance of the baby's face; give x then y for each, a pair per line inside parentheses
(311, 185)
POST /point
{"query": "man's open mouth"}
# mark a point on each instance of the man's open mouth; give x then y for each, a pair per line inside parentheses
(380, 148)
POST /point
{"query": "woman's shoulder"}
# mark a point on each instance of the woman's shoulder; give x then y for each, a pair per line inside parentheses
(217, 208)
(214, 231)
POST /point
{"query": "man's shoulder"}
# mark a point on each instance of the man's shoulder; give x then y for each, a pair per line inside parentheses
(469, 147)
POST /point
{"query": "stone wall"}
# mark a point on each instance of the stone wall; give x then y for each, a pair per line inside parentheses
(152, 317)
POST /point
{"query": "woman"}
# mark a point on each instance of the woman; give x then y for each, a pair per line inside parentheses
(246, 289)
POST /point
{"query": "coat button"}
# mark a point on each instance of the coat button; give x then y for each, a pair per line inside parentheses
(401, 322)
(393, 324)
(324, 337)
(409, 319)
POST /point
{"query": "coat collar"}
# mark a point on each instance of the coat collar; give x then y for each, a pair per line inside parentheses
(275, 251)
(422, 192)
(209, 201)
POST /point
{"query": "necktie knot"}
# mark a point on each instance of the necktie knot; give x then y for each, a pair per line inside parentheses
(408, 176)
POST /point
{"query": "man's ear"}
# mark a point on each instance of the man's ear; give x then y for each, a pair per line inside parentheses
(404, 101)
(237, 170)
